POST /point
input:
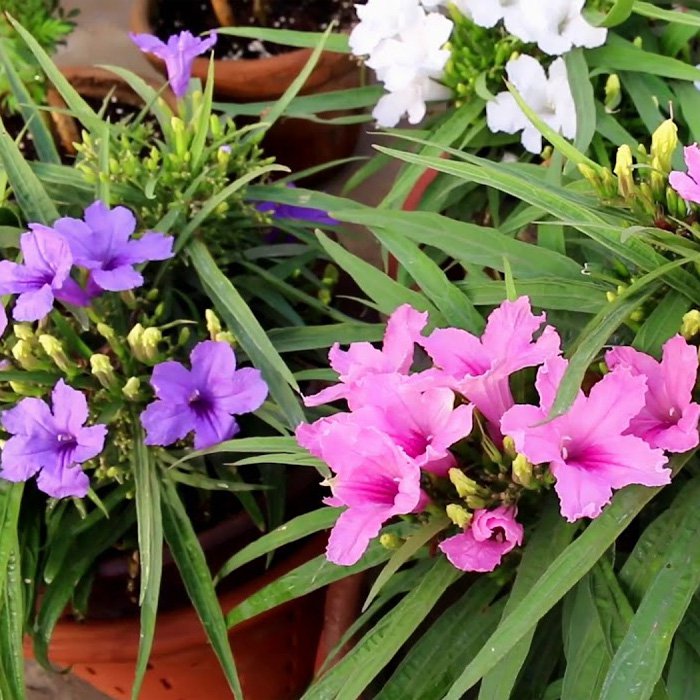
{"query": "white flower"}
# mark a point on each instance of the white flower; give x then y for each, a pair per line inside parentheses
(549, 97)
(557, 26)
(410, 100)
(417, 52)
(488, 13)
(433, 4)
(380, 20)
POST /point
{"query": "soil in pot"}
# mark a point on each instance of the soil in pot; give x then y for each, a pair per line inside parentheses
(299, 15)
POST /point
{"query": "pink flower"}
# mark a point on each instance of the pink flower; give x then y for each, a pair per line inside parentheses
(480, 367)
(361, 360)
(588, 449)
(374, 478)
(669, 418)
(423, 422)
(491, 535)
(688, 184)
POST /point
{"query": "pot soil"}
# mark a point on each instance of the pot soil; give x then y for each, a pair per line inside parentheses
(95, 85)
(257, 74)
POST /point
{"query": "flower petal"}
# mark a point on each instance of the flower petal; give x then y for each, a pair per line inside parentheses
(352, 533)
(172, 382)
(70, 408)
(166, 423)
(64, 482)
(212, 427)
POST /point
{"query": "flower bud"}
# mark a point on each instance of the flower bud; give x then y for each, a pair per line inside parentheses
(54, 349)
(226, 337)
(23, 331)
(613, 93)
(213, 323)
(389, 540)
(178, 127)
(676, 205)
(476, 502)
(134, 339)
(623, 170)
(102, 370)
(522, 471)
(509, 446)
(223, 155)
(149, 343)
(460, 516)
(591, 176)
(664, 142)
(22, 352)
(464, 485)
(690, 325)
(132, 388)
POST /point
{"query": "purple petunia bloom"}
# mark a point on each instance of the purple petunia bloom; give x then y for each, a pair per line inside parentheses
(178, 53)
(293, 211)
(51, 442)
(103, 245)
(203, 399)
(43, 276)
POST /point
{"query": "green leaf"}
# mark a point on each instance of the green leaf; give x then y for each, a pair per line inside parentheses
(202, 119)
(31, 196)
(617, 14)
(150, 534)
(338, 43)
(450, 641)
(253, 339)
(662, 323)
(551, 536)
(192, 565)
(636, 667)
(349, 678)
(686, 16)
(292, 531)
(384, 291)
(12, 626)
(313, 337)
(584, 99)
(564, 572)
(10, 501)
(684, 671)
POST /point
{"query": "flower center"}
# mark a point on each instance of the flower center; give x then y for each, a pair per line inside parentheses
(564, 450)
(198, 402)
(66, 440)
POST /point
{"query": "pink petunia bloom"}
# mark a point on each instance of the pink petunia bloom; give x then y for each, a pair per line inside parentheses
(480, 367)
(588, 448)
(688, 184)
(361, 360)
(491, 535)
(374, 478)
(669, 419)
(423, 422)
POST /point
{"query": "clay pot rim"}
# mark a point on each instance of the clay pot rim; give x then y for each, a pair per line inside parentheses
(296, 59)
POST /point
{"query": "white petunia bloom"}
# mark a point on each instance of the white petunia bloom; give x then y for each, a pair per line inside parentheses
(488, 13)
(411, 101)
(557, 26)
(548, 96)
(380, 20)
(431, 5)
(416, 52)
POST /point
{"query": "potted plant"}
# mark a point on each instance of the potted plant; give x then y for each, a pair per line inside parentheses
(120, 520)
(248, 68)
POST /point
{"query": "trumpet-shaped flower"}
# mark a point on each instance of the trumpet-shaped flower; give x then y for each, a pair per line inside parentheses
(380, 20)
(52, 442)
(688, 184)
(548, 96)
(278, 210)
(588, 449)
(203, 399)
(362, 359)
(556, 26)
(178, 53)
(410, 101)
(490, 536)
(374, 478)
(479, 368)
(43, 277)
(488, 13)
(103, 245)
(669, 418)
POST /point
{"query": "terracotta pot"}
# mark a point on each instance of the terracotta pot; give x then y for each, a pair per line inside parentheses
(274, 652)
(96, 84)
(297, 143)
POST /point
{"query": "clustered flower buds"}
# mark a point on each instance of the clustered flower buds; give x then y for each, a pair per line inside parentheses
(452, 438)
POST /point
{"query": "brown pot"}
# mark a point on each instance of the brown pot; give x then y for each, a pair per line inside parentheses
(297, 143)
(96, 84)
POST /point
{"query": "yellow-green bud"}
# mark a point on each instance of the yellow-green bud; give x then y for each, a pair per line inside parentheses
(131, 389)
(389, 540)
(460, 516)
(223, 155)
(102, 370)
(475, 502)
(610, 296)
(509, 446)
(677, 206)
(590, 175)
(226, 337)
(134, 338)
(23, 331)
(522, 471)
(213, 324)
(613, 93)
(53, 348)
(690, 326)
(107, 332)
(664, 142)
(215, 126)
(149, 343)
(623, 170)
(464, 485)
(22, 352)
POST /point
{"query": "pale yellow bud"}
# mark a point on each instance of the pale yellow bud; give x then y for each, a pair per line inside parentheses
(23, 331)
(54, 349)
(102, 370)
(22, 352)
(213, 323)
(664, 142)
(460, 516)
(623, 170)
(149, 342)
(464, 485)
(389, 540)
(690, 326)
(131, 389)
(522, 471)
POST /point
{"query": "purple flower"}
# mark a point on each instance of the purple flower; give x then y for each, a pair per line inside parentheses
(203, 399)
(178, 53)
(293, 211)
(3, 319)
(43, 277)
(103, 245)
(51, 441)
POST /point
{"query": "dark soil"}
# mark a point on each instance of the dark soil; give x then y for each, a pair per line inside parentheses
(300, 15)
(15, 126)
